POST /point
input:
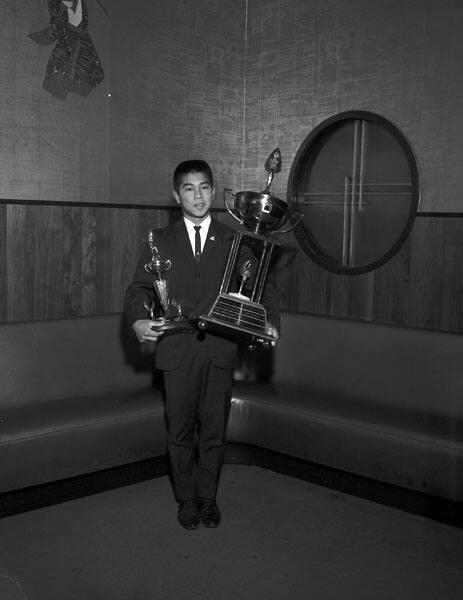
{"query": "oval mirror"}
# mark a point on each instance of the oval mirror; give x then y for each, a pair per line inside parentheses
(356, 181)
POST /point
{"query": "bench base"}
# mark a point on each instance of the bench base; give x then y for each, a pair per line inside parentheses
(49, 494)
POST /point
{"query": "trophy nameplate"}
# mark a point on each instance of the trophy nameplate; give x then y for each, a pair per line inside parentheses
(166, 312)
(238, 310)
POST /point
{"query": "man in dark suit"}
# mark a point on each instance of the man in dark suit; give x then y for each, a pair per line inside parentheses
(197, 367)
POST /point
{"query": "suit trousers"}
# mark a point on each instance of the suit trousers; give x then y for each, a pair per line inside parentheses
(198, 395)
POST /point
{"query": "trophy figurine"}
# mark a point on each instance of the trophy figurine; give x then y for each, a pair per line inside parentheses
(238, 310)
(169, 319)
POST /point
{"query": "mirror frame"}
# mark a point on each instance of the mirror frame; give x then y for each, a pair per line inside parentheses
(302, 231)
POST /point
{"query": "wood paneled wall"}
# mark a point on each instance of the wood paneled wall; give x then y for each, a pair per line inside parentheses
(68, 260)
(61, 260)
(421, 286)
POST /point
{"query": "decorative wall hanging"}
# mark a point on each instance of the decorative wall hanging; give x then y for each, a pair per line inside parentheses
(74, 65)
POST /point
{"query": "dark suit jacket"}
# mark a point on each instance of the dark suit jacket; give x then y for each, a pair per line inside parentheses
(194, 286)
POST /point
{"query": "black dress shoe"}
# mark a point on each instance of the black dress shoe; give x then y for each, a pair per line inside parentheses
(209, 512)
(188, 514)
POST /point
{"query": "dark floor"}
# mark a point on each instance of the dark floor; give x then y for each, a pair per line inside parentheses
(281, 537)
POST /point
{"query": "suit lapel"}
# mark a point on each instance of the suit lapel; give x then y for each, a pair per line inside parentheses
(211, 241)
(183, 242)
(216, 237)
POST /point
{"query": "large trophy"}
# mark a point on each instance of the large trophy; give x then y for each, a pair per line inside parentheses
(238, 310)
(167, 313)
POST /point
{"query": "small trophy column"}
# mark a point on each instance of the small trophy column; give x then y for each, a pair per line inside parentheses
(170, 319)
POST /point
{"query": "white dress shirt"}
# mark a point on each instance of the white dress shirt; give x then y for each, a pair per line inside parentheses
(190, 227)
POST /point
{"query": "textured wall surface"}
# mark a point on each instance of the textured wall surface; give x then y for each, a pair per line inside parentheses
(50, 149)
(172, 90)
(176, 93)
(182, 74)
(308, 60)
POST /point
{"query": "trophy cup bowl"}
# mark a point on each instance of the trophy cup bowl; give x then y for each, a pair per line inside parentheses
(260, 212)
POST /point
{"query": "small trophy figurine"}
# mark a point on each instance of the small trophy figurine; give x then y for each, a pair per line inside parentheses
(169, 321)
(245, 272)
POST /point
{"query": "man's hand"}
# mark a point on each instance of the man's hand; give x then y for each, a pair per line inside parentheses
(144, 332)
(273, 331)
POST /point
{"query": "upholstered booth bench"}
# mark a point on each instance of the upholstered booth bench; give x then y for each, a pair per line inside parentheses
(374, 400)
(77, 396)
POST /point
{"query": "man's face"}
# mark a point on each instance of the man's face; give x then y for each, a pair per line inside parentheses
(195, 195)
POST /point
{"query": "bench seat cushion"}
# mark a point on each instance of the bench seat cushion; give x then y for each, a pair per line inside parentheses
(413, 449)
(408, 420)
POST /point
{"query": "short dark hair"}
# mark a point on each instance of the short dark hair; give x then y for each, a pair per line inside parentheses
(191, 166)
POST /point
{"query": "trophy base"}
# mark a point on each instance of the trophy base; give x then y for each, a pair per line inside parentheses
(173, 325)
(240, 296)
(236, 317)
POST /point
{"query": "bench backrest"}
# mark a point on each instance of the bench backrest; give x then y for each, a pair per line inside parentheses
(60, 358)
(407, 367)
(400, 366)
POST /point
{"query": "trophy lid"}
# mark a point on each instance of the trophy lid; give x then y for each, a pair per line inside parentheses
(261, 212)
(272, 166)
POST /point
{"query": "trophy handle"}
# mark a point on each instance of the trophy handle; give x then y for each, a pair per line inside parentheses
(226, 193)
(300, 216)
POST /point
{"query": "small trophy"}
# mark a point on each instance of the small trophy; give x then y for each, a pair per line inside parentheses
(238, 311)
(170, 319)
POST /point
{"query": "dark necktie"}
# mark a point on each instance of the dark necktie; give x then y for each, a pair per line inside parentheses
(197, 243)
